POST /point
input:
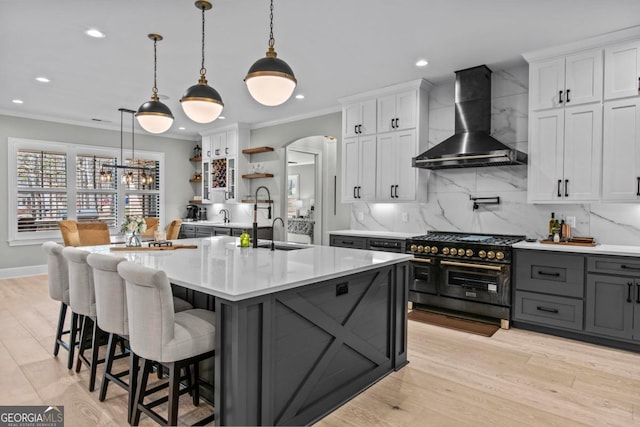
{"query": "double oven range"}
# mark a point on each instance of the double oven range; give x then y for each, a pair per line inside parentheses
(461, 272)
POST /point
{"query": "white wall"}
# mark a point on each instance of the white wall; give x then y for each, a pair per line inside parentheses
(448, 207)
(178, 190)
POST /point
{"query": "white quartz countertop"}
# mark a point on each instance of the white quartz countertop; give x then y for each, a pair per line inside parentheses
(620, 250)
(370, 233)
(219, 267)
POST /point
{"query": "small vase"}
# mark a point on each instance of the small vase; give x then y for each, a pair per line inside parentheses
(133, 239)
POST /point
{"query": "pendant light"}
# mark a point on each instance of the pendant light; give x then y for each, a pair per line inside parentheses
(153, 115)
(202, 103)
(270, 80)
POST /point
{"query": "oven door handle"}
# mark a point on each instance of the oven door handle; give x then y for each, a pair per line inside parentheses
(424, 260)
(465, 264)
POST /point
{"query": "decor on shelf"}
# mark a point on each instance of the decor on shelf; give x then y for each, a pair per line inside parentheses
(202, 103)
(270, 80)
(133, 227)
(153, 115)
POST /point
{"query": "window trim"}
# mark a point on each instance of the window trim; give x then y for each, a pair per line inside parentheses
(72, 150)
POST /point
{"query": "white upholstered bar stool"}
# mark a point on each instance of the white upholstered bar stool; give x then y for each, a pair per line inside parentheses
(83, 301)
(58, 277)
(156, 333)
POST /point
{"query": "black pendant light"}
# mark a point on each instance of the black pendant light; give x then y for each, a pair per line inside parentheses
(202, 103)
(270, 80)
(153, 115)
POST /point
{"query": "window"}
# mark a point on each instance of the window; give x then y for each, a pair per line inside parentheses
(49, 182)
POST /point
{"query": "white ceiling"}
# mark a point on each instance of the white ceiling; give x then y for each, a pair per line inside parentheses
(335, 48)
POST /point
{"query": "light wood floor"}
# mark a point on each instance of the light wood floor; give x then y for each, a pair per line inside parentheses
(515, 378)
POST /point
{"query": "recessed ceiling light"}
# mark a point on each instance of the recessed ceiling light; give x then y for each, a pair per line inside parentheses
(92, 32)
(18, 101)
(43, 79)
(221, 117)
(181, 128)
(299, 96)
(422, 63)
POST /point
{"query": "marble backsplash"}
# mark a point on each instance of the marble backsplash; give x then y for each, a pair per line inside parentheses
(448, 206)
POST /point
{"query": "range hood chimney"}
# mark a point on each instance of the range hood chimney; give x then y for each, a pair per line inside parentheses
(471, 146)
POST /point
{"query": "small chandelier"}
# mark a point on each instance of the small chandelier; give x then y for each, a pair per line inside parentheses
(202, 103)
(153, 115)
(270, 80)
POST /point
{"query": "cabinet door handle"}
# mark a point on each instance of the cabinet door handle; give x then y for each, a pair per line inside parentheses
(347, 242)
(354, 192)
(559, 184)
(355, 128)
(638, 84)
(560, 97)
(628, 267)
(638, 186)
(637, 293)
(360, 129)
(547, 309)
(566, 188)
(397, 125)
(568, 90)
(359, 197)
(396, 191)
(629, 284)
(226, 150)
(543, 273)
(391, 194)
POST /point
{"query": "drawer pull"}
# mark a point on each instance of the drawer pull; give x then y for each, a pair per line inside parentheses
(429, 261)
(629, 291)
(628, 267)
(543, 273)
(347, 242)
(547, 309)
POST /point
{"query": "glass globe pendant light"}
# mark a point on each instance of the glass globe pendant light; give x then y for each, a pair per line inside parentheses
(270, 80)
(153, 115)
(202, 103)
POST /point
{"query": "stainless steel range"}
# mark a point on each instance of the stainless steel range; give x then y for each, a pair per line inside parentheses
(462, 272)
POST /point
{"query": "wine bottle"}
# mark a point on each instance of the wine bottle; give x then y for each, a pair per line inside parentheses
(552, 224)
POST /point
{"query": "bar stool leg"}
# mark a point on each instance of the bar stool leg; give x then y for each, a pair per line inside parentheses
(134, 361)
(143, 377)
(73, 336)
(111, 350)
(174, 393)
(61, 318)
(97, 333)
(83, 340)
(196, 384)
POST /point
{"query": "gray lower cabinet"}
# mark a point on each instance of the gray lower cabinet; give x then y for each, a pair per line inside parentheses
(348, 241)
(549, 289)
(190, 231)
(613, 297)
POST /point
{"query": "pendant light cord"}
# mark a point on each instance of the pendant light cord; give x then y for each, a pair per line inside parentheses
(271, 39)
(121, 136)
(203, 70)
(155, 66)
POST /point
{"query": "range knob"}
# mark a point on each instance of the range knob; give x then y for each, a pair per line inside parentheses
(434, 249)
(453, 251)
(445, 251)
(499, 255)
(414, 248)
(491, 255)
(460, 251)
(469, 252)
(482, 254)
(420, 248)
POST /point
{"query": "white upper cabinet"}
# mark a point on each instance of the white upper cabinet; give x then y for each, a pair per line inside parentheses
(359, 118)
(376, 161)
(566, 81)
(397, 111)
(622, 70)
(565, 155)
(223, 144)
(621, 151)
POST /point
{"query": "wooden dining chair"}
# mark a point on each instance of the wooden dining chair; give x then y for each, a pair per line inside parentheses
(173, 229)
(69, 230)
(152, 226)
(93, 233)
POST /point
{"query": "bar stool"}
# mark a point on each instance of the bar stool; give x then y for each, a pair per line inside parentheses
(83, 301)
(156, 333)
(58, 276)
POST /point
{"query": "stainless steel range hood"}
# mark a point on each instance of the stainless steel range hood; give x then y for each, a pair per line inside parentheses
(471, 146)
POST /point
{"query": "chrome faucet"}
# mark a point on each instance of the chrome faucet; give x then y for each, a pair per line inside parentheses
(227, 215)
(273, 246)
(255, 213)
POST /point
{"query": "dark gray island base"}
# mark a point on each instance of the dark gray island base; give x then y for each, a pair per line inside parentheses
(291, 357)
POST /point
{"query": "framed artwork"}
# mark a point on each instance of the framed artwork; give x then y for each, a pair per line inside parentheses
(293, 186)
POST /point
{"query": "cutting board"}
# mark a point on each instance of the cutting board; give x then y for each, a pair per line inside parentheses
(569, 243)
(151, 248)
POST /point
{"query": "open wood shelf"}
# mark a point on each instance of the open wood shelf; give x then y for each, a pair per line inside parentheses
(257, 175)
(195, 180)
(195, 159)
(195, 202)
(253, 201)
(255, 150)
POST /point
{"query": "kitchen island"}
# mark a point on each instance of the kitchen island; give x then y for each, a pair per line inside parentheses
(298, 332)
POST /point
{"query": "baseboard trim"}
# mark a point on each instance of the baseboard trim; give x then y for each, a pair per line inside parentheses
(32, 270)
